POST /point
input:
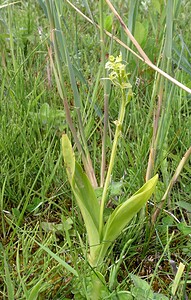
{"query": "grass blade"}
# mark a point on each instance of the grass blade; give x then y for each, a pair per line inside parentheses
(58, 259)
(35, 291)
(9, 283)
(177, 278)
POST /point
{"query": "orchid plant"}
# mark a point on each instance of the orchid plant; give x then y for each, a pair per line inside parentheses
(102, 234)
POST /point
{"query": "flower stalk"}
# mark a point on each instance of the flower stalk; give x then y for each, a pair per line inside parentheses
(119, 77)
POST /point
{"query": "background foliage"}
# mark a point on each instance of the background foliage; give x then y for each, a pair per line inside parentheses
(40, 223)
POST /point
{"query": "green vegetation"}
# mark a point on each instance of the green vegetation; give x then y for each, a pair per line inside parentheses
(87, 118)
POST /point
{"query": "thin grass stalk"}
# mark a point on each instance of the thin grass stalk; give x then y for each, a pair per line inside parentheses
(157, 123)
(83, 150)
(133, 8)
(78, 104)
(2, 208)
(177, 278)
(93, 108)
(186, 278)
(162, 116)
(104, 139)
(18, 265)
(166, 117)
(65, 103)
(9, 282)
(156, 92)
(106, 96)
(11, 40)
(152, 154)
(59, 77)
(159, 261)
(161, 139)
(85, 2)
(163, 112)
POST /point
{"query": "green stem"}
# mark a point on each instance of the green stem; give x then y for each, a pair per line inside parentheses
(106, 96)
(119, 123)
(104, 138)
(11, 40)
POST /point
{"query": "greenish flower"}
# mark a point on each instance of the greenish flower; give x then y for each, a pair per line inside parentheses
(117, 72)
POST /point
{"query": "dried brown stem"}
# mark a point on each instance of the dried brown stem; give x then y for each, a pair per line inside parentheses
(152, 153)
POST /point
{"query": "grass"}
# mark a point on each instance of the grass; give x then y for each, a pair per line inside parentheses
(43, 242)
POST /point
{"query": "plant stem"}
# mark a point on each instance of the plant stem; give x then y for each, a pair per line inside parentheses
(104, 138)
(119, 123)
(106, 96)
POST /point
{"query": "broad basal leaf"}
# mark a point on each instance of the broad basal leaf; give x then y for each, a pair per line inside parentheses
(69, 158)
(122, 215)
(84, 194)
